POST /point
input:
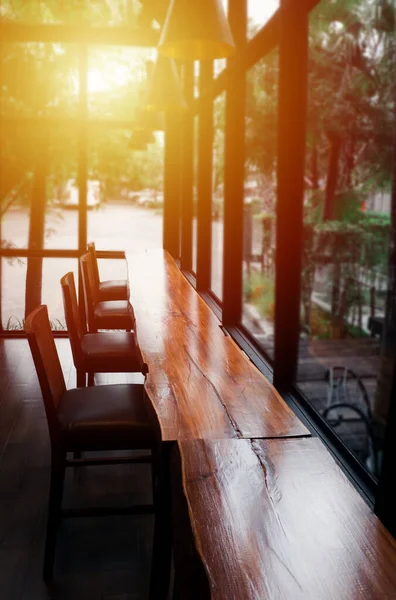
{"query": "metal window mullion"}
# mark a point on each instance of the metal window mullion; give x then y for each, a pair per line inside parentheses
(187, 171)
(205, 175)
(171, 214)
(234, 168)
(292, 115)
(82, 166)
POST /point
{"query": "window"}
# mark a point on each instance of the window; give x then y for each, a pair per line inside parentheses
(344, 279)
(218, 196)
(260, 201)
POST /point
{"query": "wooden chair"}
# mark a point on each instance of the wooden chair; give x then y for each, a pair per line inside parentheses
(108, 314)
(113, 289)
(104, 352)
(102, 418)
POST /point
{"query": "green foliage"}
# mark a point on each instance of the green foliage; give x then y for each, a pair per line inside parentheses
(14, 323)
(259, 290)
(41, 80)
(103, 12)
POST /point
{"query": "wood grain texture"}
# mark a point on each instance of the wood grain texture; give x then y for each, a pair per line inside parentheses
(278, 519)
(201, 384)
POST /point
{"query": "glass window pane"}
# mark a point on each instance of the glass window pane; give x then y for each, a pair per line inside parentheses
(12, 293)
(53, 270)
(116, 81)
(218, 197)
(44, 288)
(259, 13)
(260, 201)
(38, 194)
(61, 216)
(39, 79)
(127, 214)
(344, 363)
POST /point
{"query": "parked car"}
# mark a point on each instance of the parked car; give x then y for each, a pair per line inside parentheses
(70, 196)
(150, 198)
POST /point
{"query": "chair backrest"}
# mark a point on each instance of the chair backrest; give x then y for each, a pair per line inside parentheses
(72, 314)
(46, 361)
(90, 290)
(92, 250)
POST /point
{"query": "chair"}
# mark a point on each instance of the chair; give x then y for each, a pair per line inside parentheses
(348, 404)
(107, 352)
(113, 289)
(102, 418)
(109, 314)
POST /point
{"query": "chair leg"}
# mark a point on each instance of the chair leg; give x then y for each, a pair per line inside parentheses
(54, 512)
(91, 379)
(81, 378)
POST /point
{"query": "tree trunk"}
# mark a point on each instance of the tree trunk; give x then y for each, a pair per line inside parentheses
(34, 273)
(332, 177)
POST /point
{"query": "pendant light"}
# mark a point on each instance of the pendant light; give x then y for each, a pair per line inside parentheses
(196, 30)
(138, 140)
(164, 88)
(150, 120)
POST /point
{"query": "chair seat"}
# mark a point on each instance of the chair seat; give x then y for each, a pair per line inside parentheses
(117, 289)
(105, 415)
(114, 314)
(111, 352)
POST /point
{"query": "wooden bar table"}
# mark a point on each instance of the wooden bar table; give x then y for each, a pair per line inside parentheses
(200, 383)
(277, 519)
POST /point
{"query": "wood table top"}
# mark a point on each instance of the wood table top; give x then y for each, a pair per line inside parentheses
(200, 383)
(278, 519)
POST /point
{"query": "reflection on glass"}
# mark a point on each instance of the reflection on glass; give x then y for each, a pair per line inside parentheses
(218, 197)
(344, 358)
(260, 201)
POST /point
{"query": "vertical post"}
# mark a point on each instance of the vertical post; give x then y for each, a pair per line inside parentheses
(82, 149)
(171, 225)
(1, 190)
(292, 109)
(205, 167)
(187, 173)
(234, 168)
(82, 166)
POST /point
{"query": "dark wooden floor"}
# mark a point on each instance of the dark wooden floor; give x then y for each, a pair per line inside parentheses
(97, 558)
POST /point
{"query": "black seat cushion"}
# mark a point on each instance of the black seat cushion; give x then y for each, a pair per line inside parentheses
(114, 314)
(114, 289)
(106, 417)
(111, 352)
